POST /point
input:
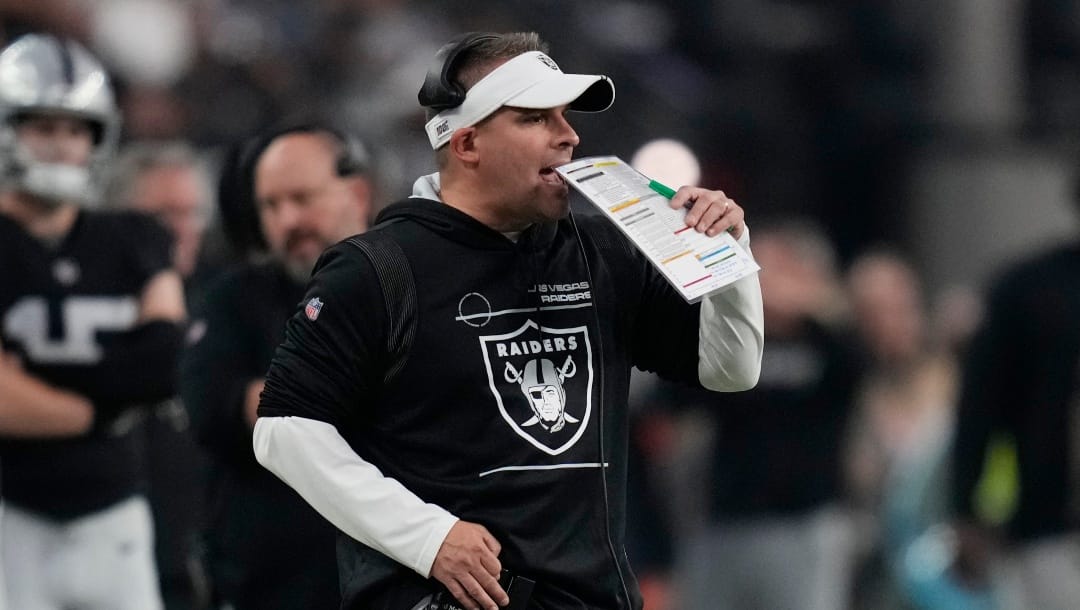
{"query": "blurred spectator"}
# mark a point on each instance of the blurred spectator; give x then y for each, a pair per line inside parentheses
(899, 442)
(267, 549)
(778, 536)
(91, 307)
(1021, 380)
(908, 389)
(169, 181)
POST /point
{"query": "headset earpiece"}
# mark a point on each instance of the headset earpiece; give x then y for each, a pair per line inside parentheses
(353, 158)
(439, 91)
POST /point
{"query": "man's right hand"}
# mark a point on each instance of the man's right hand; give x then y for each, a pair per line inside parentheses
(468, 566)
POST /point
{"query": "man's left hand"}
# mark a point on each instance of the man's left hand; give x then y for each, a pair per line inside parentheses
(710, 212)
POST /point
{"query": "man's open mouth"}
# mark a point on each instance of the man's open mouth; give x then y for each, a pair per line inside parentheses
(548, 174)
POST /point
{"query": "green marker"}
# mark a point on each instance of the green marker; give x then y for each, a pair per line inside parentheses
(664, 190)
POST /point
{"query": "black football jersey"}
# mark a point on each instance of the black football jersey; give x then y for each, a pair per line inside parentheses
(59, 303)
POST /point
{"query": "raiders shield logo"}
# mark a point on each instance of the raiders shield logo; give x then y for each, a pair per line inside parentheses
(542, 382)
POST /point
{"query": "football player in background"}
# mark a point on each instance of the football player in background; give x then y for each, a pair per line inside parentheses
(91, 309)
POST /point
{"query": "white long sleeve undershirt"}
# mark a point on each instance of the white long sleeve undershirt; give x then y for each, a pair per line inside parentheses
(313, 458)
(731, 336)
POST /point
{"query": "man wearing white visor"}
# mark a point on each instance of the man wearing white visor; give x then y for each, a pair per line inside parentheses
(398, 404)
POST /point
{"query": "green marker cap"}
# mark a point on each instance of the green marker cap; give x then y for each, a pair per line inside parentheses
(664, 190)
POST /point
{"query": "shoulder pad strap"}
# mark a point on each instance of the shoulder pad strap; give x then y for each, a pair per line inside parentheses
(399, 294)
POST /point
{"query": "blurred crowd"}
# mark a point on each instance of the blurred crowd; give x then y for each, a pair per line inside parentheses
(888, 458)
(810, 107)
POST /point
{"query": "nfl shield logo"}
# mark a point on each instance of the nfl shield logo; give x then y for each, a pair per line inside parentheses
(312, 309)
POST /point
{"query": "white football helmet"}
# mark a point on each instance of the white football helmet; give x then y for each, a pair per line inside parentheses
(41, 74)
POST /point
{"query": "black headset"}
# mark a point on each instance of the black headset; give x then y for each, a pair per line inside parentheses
(440, 91)
(353, 158)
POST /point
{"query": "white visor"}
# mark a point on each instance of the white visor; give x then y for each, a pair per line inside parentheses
(530, 80)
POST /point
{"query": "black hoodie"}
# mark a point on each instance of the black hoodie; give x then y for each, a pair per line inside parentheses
(521, 355)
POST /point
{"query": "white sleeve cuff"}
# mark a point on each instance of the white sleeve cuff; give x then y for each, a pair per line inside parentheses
(732, 334)
(313, 458)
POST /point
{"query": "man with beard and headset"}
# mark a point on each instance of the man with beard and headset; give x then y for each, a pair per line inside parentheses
(91, 310)
(398, 404)
(310, 187)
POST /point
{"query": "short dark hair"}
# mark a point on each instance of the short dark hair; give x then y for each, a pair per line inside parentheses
(477, 62)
